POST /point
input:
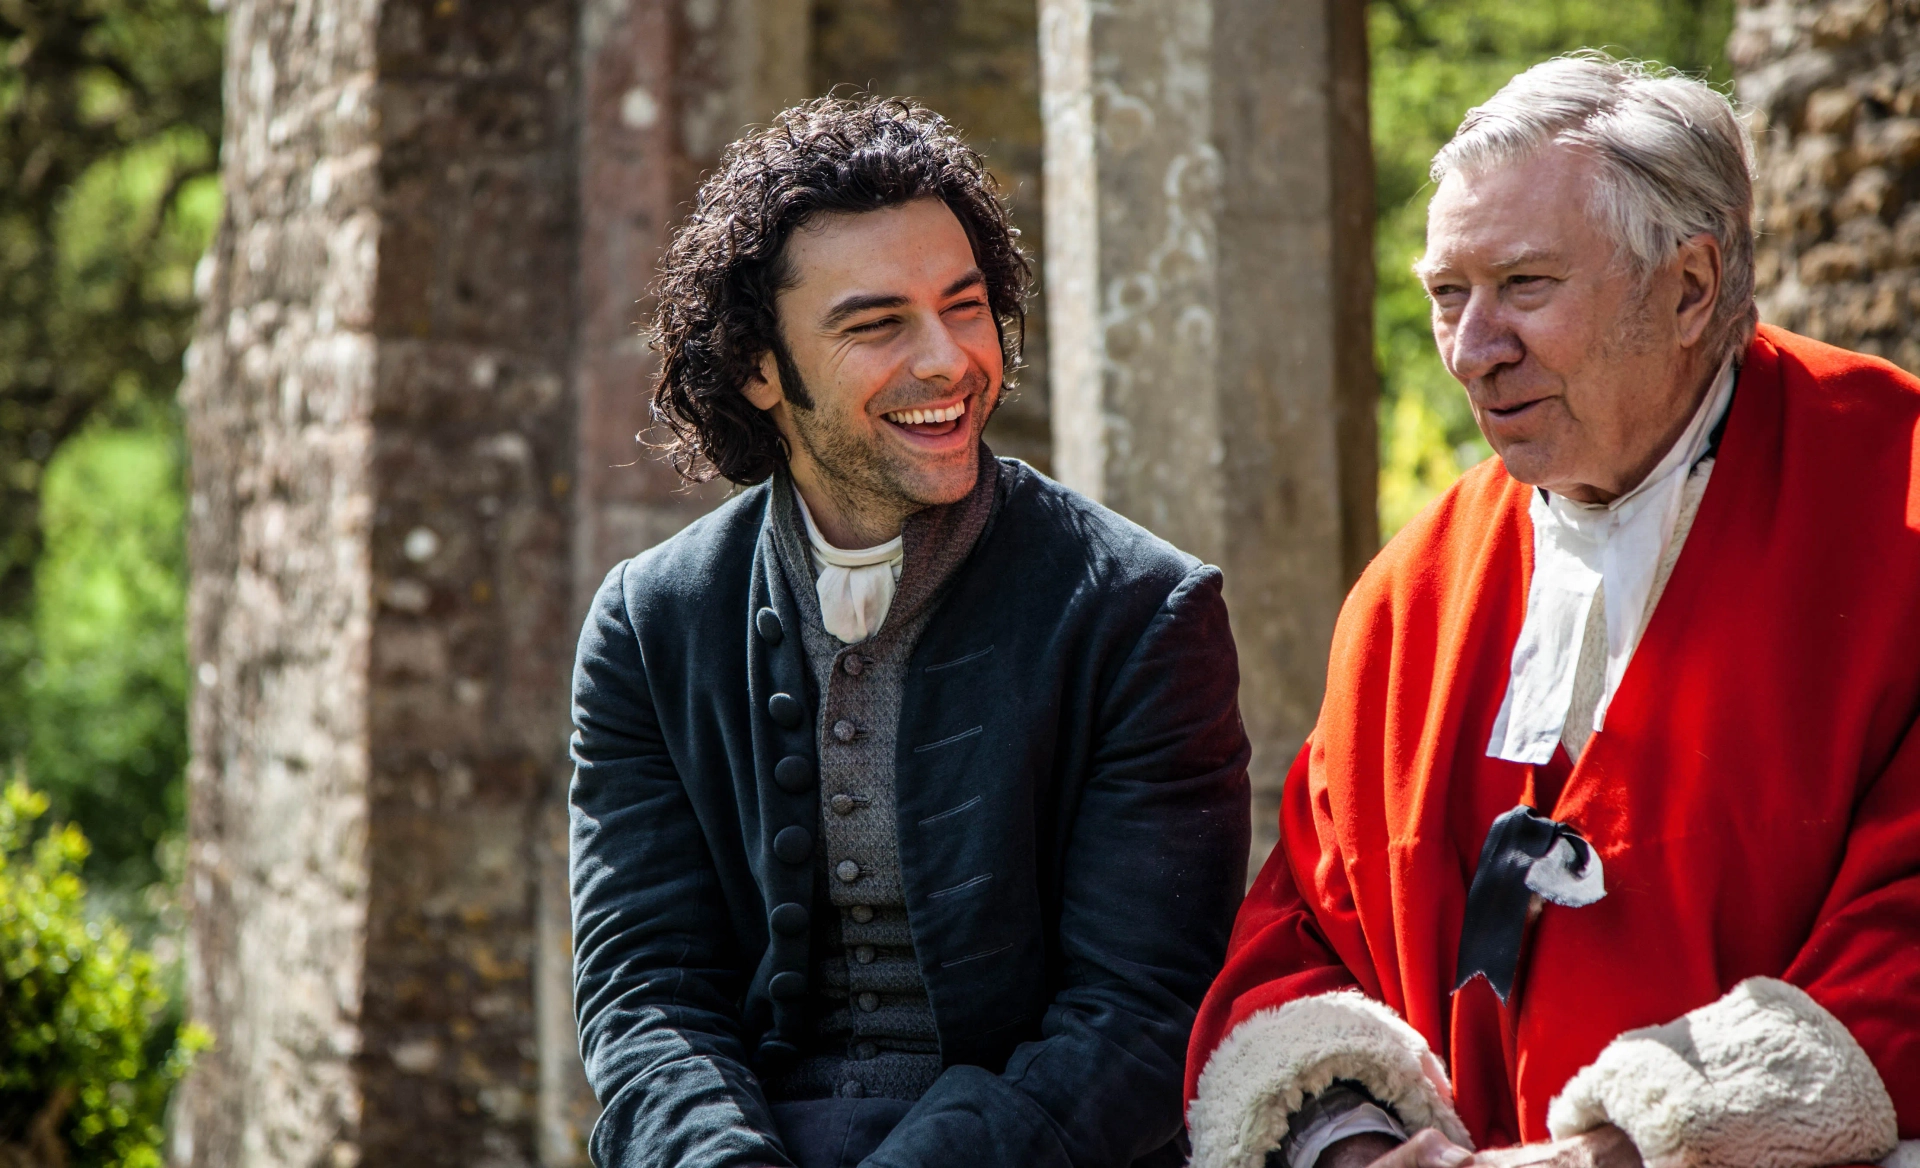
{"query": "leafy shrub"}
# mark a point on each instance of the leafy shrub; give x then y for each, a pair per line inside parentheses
(88, 1053)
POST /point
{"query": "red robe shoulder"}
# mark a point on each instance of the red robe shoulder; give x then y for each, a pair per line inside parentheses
(1754, 796)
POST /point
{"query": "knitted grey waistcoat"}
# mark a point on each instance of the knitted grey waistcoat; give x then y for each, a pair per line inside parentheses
(871, 1029)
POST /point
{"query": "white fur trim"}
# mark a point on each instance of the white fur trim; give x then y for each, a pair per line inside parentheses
(1762, 1078)
(1271, 1062)
(1905, 1155)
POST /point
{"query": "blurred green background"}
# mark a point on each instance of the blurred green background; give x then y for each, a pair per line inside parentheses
(109, 125)
(109, 135)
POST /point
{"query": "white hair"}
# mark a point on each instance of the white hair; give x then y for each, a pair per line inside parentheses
(1675, 160)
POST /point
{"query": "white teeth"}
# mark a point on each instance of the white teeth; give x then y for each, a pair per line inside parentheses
(927, 417)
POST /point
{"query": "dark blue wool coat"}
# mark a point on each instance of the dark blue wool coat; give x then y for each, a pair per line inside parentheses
(1072, 801)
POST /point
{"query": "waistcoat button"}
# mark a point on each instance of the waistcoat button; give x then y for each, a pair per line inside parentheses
(794, 773)
(865, 1050)
(869, 1002)
(789, 920)
(861, 913)
(864, 955)
(843, 803)
(852, 1090)
(786, 710)
(843, 730)
(766, 622)
(846, 870)
(793, 844)
(852, 664)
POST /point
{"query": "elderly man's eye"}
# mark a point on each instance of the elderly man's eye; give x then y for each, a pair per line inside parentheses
(1446, 293)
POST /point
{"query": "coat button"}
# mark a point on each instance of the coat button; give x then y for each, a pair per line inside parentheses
(869, 1002)
(775, 1054)
(864, 954)
(846, 870)
(861, 913)
(793, 844)
(853, 664)
(789, 920)
(788, 986)
(766, 622)
(794, 773)
(786, 710)
(843, 730)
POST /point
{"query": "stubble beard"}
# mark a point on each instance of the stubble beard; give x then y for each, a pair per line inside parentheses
(862, 475)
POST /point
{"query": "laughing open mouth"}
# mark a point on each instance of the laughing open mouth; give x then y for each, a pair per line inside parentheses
(929, 422)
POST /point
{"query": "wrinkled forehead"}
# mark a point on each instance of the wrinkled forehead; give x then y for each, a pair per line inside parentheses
(1512, 211)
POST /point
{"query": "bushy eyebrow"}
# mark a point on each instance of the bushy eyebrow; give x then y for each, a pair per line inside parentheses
(858, 304)
(853, 305)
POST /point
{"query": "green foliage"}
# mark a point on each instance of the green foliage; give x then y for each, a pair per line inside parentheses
(88, 1052)
(109, 129)
(106, 694)
(1432, 60)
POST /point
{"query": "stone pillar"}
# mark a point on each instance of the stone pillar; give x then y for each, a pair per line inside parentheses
(1834, 88)
(1209, 284)
(382, 604)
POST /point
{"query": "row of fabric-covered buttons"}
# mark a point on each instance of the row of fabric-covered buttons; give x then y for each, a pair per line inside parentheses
(792, 845)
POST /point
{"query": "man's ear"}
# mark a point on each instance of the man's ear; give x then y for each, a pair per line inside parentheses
(763, 387)
(1697, 263)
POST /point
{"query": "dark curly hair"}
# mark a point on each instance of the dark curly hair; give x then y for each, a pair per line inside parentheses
(715, 316)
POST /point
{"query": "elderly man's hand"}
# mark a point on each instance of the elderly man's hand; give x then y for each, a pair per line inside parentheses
(1603, 1147)
(1427, 1149)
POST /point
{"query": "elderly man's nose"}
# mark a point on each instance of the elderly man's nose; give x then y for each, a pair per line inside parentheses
(937, 356)
(1482, 340)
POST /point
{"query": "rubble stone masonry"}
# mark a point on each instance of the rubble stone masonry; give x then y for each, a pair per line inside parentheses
(1834, 89)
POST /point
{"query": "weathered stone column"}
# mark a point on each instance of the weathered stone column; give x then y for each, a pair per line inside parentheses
(1209, 285)
(1834, 86)
(382, 613)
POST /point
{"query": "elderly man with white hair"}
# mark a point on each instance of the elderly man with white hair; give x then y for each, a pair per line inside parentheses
(1606, 846)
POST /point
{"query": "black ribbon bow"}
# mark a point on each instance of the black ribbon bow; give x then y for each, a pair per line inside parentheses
(1498, 900)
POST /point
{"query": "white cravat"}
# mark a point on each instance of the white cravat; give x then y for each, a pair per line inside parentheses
(855, 587)
(1577, 547)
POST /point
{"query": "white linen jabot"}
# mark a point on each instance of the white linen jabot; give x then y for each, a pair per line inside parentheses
(1578, 547)
(855, 587)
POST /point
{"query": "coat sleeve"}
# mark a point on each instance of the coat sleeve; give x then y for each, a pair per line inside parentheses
(1287, 1017)
(1820, 1066)
(1155, 863)
(655, 986)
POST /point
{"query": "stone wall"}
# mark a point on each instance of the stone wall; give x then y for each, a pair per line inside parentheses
(1834, 86)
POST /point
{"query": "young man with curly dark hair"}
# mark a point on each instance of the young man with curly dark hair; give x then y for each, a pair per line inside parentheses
(910, 807)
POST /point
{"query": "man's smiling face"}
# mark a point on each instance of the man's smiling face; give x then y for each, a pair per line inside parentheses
(888, 326)
(1581, 376)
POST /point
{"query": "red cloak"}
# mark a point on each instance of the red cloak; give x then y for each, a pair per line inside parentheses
(1755, 795)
